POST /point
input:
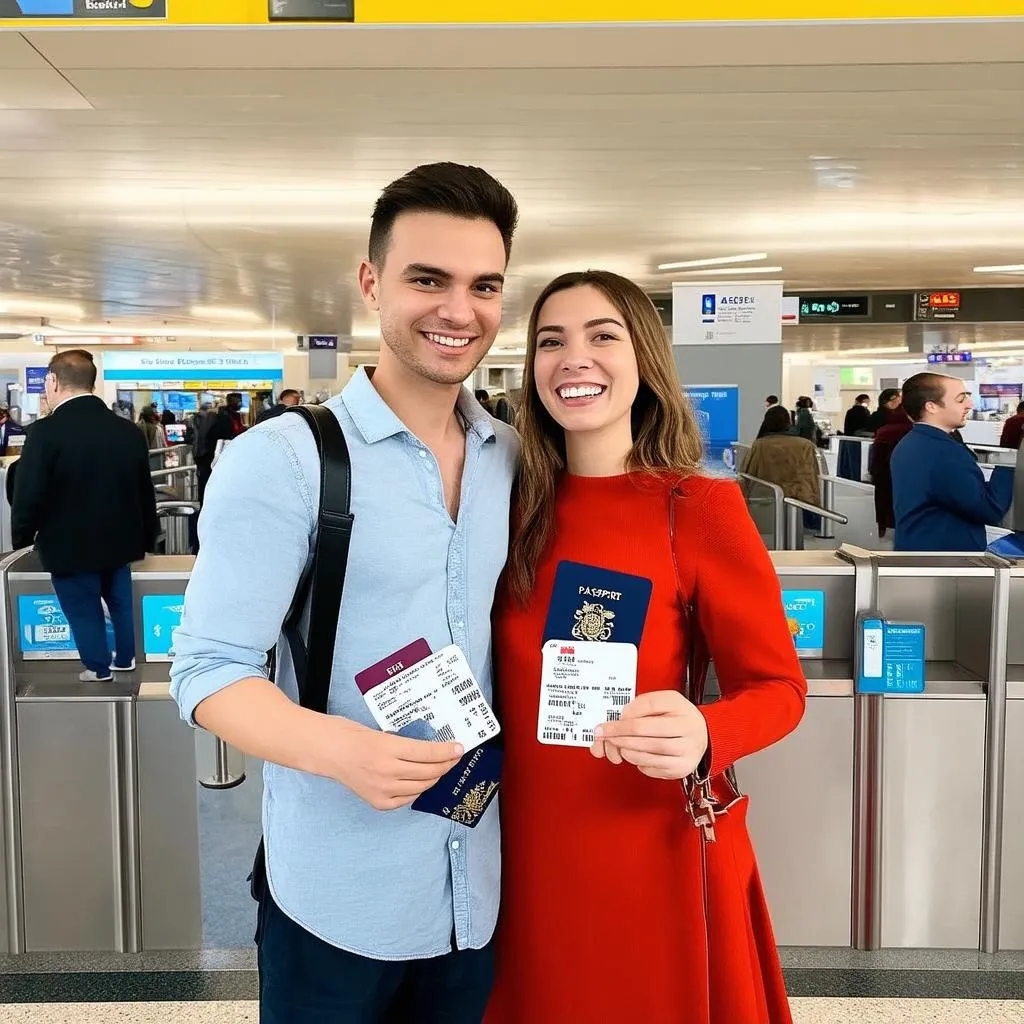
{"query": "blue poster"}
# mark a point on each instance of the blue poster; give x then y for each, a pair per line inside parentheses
(43, 629)
(35, 380)
(718, 415)
(805, 615)
(892, 657)
(161, 616)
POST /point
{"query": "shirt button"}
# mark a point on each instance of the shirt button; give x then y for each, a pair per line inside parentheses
(455, 844)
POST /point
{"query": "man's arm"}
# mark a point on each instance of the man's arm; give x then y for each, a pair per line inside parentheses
(961, 486)
(254, 544)
(30, 486)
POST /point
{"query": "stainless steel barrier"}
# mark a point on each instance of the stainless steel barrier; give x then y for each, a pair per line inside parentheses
(766, 510)
(223, 777)
(176, 516)
(794, 509)
(183, 477)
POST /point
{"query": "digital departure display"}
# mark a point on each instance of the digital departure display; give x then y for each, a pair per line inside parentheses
(937, 306)
(944, 300)
(950, 357)
(834, 306)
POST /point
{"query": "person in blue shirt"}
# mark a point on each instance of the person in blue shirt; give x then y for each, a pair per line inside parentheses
(372, 911)
(940, 496)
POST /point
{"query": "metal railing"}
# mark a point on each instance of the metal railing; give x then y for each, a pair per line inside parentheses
(188, 478)
(177, 515)
(776, 531)
(795, 522)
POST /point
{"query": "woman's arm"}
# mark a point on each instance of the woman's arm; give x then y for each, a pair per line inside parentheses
(739, 608)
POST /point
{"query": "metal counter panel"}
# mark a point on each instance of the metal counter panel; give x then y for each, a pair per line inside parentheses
(69, 811)
(801, 821)
(1011, 918)
(169, 845)
(932, 809)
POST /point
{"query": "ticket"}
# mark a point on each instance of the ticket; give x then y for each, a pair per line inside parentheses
(583, 684)
(442, 691)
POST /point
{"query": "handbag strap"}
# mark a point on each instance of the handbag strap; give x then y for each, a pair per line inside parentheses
(324, 579)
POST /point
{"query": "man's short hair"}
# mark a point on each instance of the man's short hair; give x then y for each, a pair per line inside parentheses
(74, 370)
(453, 189)
(1020, 409)
(921, 389)
(288, 393)
(772, 399)
(863, 398)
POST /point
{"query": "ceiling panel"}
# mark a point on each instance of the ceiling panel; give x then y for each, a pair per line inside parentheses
(239, 168)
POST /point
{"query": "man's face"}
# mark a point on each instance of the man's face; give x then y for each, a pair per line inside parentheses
(956, 405)
(438, 294)
(290, 400)
(234, 403)
(50, 389)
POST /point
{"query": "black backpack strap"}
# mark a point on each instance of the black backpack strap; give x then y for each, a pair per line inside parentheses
(321, 584)
(324, 580)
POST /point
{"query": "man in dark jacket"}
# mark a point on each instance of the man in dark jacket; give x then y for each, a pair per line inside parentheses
(888, 400)
(941, 498)
(225, 425)
(84, 496)
(858, 416)
(288, 399)
(1013, 430)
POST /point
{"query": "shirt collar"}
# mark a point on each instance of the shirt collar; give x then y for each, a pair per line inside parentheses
(934, 429)
(376, 420)
(71, 398)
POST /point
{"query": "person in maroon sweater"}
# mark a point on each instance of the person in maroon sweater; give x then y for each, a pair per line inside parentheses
(897, 425)
(1013, 430)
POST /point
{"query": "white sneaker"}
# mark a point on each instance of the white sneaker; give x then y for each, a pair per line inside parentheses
(124, 668)
(92, 677)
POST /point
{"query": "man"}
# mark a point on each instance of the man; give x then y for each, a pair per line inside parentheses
(8, 428)
(223, 424)
(373, 911)
(770, 401)
(858, 416)
(888, 402)
(1013, 430)
(84, 496)
(286, 400)
(941, 498)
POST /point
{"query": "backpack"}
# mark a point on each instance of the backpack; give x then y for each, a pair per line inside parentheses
(321, 584)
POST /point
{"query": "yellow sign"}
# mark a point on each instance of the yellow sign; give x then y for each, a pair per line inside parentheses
(470, 12)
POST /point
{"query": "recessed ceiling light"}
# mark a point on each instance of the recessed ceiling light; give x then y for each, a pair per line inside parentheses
(1009, 268)
(226, 313)
(736, 270)
(717, 261)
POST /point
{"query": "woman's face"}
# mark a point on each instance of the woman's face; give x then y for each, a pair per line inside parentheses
(585, 368)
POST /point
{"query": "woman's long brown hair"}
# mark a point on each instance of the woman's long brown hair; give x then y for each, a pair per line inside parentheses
(665, 433)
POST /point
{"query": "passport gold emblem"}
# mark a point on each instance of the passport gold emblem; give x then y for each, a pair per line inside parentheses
(593, 622)
(474, 803)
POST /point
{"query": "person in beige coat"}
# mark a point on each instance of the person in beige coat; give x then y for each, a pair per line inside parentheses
(780, 456)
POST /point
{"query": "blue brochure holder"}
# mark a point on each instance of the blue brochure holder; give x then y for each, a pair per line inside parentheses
(890, 655)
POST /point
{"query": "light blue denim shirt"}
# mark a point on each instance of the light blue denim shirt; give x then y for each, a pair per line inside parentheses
(392, 885)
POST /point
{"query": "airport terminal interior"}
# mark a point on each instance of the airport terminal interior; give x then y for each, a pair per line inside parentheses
(819, 207)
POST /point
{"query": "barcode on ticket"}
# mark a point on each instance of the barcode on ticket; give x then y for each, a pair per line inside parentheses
(445, 734)
(620, 700)
(613, 716)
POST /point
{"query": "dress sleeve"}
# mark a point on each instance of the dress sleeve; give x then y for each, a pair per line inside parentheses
(739, 608)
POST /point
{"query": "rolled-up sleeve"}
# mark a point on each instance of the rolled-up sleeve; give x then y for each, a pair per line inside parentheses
(255, 531)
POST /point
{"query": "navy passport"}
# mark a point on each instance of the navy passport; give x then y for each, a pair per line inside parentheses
(589, 603)
(468, 789)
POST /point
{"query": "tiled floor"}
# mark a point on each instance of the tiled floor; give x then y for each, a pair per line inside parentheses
(805, 1011)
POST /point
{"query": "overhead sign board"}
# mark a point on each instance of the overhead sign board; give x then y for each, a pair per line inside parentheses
(729, 313)
(242, 368)
(60, 13)
(937, 306)
(950, 357)
(35, 380)
(828, 306)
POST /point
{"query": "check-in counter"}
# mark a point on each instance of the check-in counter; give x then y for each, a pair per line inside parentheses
(100, 830)
(801, 806)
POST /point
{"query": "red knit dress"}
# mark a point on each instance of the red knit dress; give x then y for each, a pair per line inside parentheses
(602, 918)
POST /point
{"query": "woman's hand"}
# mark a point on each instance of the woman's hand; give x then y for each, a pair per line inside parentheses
(662, 733)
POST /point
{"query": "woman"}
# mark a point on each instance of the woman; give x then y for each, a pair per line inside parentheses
(153, 431)
(782, 457)
(805, 425)
(604, 916)
(896, 427)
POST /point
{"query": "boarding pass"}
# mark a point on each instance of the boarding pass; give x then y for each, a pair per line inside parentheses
(583, 685)
(440, 690)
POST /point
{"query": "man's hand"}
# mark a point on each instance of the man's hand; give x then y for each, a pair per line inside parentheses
(385, 770)
(662, 733)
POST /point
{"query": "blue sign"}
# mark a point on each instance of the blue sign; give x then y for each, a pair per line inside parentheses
(805, 615)
(891, 657)
(950, 357)
(35, 380)
(161, 616)
(44, 631)
(718, 415)
(323, 341)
